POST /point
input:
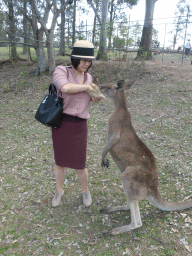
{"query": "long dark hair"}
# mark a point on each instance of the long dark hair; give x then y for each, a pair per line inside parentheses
(75, 63)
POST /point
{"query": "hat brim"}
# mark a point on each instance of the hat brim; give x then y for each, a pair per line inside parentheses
(82, 57)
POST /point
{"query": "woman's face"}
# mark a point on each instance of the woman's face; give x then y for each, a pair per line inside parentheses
(83, 65)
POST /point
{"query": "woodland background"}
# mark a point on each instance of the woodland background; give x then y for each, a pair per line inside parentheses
(53, 24)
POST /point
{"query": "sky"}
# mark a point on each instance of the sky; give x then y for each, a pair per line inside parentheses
(163, 14)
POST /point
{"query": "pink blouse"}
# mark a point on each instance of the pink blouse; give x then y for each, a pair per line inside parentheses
(75, 104)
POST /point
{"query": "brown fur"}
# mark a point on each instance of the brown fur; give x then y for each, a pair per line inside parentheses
(135, 161)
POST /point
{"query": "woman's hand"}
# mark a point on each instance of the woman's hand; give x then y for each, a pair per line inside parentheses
(95, 92)
(95, 99)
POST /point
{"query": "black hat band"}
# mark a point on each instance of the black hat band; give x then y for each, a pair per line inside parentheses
(83, 51)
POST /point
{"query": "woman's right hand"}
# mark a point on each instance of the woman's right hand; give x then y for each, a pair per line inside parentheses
(90, 88)
(94, 91)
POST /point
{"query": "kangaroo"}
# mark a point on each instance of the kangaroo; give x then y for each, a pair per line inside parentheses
(135, 161)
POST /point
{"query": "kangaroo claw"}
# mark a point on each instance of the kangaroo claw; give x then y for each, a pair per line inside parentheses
(105, 163)
(107, 233)
(103, 210)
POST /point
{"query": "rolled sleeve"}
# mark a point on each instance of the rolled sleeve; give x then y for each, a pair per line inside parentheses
(60, 77)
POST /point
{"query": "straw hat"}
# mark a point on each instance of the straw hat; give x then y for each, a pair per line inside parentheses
(83, 49)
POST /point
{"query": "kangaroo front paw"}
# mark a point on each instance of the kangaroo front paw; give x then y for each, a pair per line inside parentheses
(103, 210)
(112, 232)
(107, 233)
(105, 163)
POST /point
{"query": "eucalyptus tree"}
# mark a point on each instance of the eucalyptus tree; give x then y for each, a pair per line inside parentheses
(94, 23)
(62, 29)
(113, 5)
(102, 53)
(11, 29)
(3, 25)
(40, 13)
(117, 11)
(25, 27)
(74, 21)
(146, 39)
(135, 34)
(182, 12)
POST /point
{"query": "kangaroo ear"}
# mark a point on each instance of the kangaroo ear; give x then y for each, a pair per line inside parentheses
(128, 84)
(120, 85)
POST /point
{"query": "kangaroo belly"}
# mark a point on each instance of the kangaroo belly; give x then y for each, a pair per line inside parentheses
(122, 157)
(127, 154)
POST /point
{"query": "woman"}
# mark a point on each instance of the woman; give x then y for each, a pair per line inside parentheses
(70, 140)
(187, 48)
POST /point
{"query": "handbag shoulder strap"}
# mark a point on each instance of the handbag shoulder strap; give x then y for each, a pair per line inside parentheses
(67, 68)
(52, 89)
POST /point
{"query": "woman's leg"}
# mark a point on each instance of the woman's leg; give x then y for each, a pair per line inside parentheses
(82, 176)
(59, 172)
(59, 176)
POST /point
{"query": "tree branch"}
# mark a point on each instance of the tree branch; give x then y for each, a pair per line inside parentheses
(95, 10)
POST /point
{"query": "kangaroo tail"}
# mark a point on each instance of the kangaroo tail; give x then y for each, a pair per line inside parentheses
(165, 205)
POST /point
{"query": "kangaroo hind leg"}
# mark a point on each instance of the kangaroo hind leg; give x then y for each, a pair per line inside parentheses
(135, 220)
(117, 208)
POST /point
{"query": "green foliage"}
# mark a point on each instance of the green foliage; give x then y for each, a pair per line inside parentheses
(129, 2)
(6, 87)
(144, 55)
(4, 248)
(118, 42)
(183, 10)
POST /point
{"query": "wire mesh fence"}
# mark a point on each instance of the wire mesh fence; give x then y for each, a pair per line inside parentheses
(123, 41)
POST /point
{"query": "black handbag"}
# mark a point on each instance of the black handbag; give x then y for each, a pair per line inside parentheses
(50, 110)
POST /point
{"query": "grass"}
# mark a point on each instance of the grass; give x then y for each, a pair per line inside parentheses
(28, 223)
(4, 53)
(112, 55)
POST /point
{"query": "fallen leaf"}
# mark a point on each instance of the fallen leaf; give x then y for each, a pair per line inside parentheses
(183, 215)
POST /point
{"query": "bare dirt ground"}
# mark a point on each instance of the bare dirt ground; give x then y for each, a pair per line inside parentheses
(160, 103)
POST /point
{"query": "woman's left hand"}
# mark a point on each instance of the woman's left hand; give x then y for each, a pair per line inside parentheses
(95, 99)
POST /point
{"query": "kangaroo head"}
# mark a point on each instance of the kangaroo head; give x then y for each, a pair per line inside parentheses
(112, 89)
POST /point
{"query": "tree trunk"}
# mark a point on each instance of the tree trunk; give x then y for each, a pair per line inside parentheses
(62, 29)
(102, 53)
(144, 51)
(74, 22)
(13, 55)
(111, 24)
(50, 51)
(94, 24)
(25, 23)
(94, 28)
(39, 42)
(38, 33)
(40, 53)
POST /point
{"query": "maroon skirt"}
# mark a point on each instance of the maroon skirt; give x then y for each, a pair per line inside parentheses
(70, 143)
